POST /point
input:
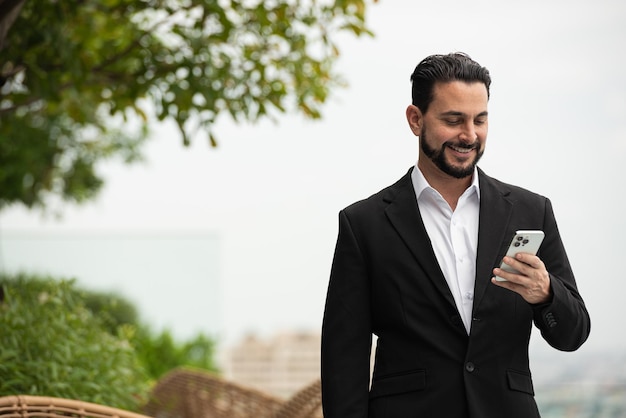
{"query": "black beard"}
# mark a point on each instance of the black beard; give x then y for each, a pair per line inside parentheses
(437, 156)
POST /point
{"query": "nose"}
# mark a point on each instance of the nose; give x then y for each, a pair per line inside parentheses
(468, 133)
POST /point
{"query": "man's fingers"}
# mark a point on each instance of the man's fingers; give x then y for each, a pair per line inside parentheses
(530, 260)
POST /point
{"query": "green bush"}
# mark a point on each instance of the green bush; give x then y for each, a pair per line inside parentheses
(52, 345)
(159, 352)
(114, 310)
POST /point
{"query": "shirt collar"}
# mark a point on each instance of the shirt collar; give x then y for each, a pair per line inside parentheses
(420, 183)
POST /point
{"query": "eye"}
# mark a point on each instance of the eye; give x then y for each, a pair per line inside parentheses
(453, 121)
(480, 121)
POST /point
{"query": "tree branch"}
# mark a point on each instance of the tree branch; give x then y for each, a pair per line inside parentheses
(9, 10)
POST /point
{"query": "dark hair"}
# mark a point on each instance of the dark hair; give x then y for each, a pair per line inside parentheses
(456, 66)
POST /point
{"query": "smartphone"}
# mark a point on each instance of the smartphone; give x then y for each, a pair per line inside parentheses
(522, 242)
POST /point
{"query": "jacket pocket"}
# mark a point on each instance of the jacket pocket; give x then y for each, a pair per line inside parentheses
(520, 381)
(398, 383)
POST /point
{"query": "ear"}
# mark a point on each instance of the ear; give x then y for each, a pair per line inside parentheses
(415, 118)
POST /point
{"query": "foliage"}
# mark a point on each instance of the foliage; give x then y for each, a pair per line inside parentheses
(114, 310)
(59, 340)
(76, 76)
(52, 345)
(158, 352)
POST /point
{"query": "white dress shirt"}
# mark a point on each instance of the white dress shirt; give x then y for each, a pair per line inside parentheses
(454, 238)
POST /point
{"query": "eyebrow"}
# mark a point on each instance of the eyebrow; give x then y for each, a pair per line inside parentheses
(457, 113)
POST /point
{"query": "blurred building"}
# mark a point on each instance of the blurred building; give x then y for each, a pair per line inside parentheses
(280, 365)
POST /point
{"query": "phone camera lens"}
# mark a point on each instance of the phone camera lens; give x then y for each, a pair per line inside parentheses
(517, 244)
(520, 238)
(525, 242)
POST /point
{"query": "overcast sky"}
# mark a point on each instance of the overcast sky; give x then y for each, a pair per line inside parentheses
(271, 192)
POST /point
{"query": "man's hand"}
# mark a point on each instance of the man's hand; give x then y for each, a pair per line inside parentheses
(533, 281)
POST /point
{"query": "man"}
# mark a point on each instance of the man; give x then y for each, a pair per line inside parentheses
(415, 265)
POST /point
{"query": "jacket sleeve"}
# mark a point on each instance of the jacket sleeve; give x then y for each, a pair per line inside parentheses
(564, 321)
(346, 330)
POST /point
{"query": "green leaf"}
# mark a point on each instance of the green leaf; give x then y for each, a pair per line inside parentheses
(75, 68)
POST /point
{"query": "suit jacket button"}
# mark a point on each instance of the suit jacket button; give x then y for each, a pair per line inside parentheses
(551, 321)
(470, 367)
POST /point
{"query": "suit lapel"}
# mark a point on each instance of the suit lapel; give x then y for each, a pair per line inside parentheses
(495, 212)
(403, 213)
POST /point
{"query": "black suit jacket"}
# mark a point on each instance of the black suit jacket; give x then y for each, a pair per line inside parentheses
(385, 280)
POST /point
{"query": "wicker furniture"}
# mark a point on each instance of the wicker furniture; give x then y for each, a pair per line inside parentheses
(184, 393)
(306, 403)
(25, 406)
(180, 394)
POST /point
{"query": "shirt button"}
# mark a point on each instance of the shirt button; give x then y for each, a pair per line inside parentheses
(470, 367)
(469, 295)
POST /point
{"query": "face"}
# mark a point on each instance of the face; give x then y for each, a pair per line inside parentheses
(453, 131)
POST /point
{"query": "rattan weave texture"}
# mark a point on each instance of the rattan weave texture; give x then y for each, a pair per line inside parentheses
(307, 403)
(27, 406)
(185, 393)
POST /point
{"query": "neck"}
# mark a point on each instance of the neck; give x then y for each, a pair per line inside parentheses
(450, 188)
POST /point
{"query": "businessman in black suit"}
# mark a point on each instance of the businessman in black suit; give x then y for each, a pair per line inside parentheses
(415, 264)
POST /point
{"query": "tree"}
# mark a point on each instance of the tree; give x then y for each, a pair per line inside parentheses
(9, 10)
(80, 80)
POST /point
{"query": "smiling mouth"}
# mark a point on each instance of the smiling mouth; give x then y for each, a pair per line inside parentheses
(462, 150)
